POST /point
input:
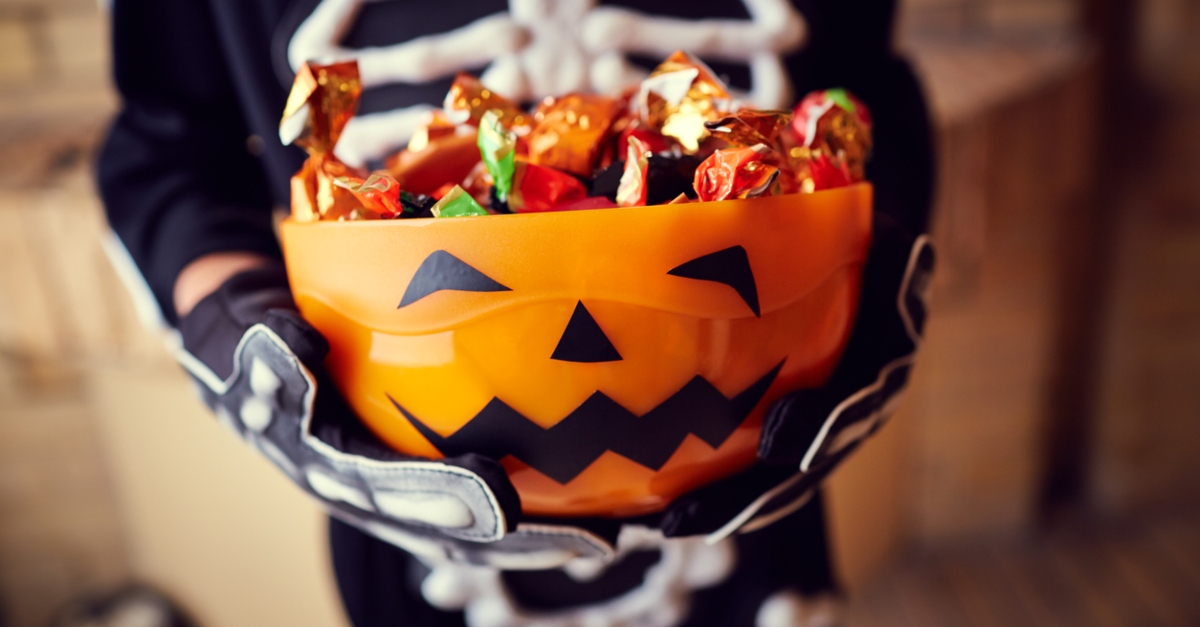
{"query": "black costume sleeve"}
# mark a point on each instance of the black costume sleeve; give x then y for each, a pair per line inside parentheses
(850, 45)
(175, 174)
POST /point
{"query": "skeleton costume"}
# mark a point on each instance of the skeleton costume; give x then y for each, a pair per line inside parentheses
(193, 165)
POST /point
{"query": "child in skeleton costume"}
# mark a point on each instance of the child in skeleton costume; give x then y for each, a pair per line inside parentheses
(193, 168)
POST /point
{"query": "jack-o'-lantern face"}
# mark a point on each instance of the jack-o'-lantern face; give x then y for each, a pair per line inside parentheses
(610, 359)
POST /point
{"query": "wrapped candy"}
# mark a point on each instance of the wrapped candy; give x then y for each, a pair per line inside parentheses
(820, 171)
(468, 100)
(570, 132)
(735, 173)
(444, 159)
(498, 146)
(632, 190)
(437, 125)
(748, 127)
(379, 193)
(536, 188)
(457, 203)
(834, 123)
(417, 205)
(322, 101)
(679, 96)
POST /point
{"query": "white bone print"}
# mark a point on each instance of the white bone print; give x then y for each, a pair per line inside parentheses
(542, 48)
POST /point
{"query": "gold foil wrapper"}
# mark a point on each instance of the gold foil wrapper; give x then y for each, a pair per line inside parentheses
(679, 97)
(322, 101)
(570, 132)
(750, 127)
(468, 100)
(631, 191)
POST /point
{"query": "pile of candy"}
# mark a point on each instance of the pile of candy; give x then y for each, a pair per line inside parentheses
(677, 137)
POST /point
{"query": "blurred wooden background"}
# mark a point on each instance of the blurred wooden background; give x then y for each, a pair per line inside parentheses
(1059, 373)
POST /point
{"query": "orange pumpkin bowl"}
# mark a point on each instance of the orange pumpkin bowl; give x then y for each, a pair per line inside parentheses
(611, 359)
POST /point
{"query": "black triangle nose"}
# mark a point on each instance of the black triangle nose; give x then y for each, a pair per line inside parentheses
(584, 341)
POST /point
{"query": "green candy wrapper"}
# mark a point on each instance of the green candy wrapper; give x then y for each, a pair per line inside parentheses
(456, 204)
(497, 145)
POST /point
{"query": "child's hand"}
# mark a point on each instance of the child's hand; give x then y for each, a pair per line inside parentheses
(259, 367)
(808, 433)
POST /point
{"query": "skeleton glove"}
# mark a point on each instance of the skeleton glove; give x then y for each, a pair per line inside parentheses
(258, 365)
(808, 433)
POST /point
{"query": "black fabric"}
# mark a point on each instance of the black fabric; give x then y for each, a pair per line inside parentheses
(548, 590)
(379, 583)
(878, 337)
(193, 165)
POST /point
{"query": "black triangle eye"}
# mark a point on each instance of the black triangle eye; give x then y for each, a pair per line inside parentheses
(443, 271)
(730, 266)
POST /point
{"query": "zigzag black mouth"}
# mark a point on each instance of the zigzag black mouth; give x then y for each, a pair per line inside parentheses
(564, 450)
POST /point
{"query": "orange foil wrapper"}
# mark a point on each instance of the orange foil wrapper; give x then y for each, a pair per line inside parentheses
(735, 173)
(631, 191)
(379, 193)
(446, 159)
(679, 97)
(570, 132)
(437, 126)
(536, 188)
(315, 196)
(468, 100)
(322, 101)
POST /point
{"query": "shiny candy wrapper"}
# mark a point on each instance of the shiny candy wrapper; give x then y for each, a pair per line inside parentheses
(570, 132)
(468, 100)
(322, 101)
(497, 145)
(735, 173)
(379, 193)
(436, 126)
(457, 203)
(818, 171)
(315, 196)
(417, 205)
(679, 97)
(837, 124)
(632, 190)
(536, 188)
(749, 127)
(444, 159)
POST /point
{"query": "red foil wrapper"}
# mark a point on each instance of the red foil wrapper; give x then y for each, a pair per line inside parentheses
(536, 188)
(468, 100)
(735, 173)
(834, 123)
(570, 132)
(631, 191)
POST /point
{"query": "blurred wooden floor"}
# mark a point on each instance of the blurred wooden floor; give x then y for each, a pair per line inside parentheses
(1142, 574)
